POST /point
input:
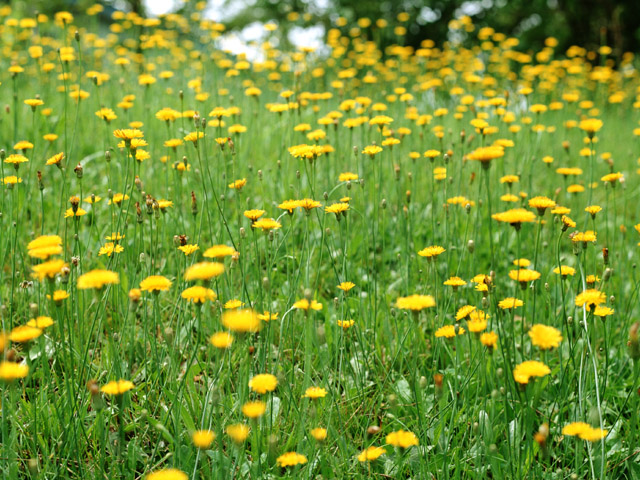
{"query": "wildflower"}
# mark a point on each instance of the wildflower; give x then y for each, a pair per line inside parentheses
(306, 305)
(245, 320)
(590, 298)
(266, 224)
(203, 438)
(24, 333)
(10, 371)
(347, 177)
(221, 340)
(545, 337)
(346, 286)
(238, 184)
(238, 432)
(449, 331)
(402, 439)
(44, 246)
(198, 294)
(484, 155)
(110, 248)
(372, 150)
(531, 368)
(337, 208)
(254, 409)
(371, 453)
(56, 159)
(591, 126)
(431, 252)
(253, 215)
(489, 339)
(155, 283)
(263, 383)
(267, 316)
(48, 269)
(291, 459)
(564, 271)
(415, 302)
(464, 311)
(509, 303)
(455, 282)
(524, 275)
(188, 249)
(515, 217)
(541, 204)
(203, 271)
(320, 434)
(345, 324)
(97, 279)
(167, 474)
(41, 322)
(315, 393)
(584, 431)
(231, 304)
(117, 387)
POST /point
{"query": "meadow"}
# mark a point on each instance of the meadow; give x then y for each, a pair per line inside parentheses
(343, 263)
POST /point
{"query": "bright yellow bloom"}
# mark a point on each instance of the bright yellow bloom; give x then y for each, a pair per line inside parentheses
(117, 387)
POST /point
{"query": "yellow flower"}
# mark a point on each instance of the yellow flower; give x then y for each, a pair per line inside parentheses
(188, 249)
(509, 303)
(254, 409)
(24, 333)
(590, 298)
(266, 224)
(203, 271)
(415, 302)
(304, 304)
(291, 459)
(320, 434)
(11, 371)
(372, 150)
(263, 383)
(44, 246)
(117, 387)
(48, 269)
(267, 316)
(515, 216)
(314, 393)
(109, 249)
(371, 453)
(531, 368)
(347, 177)
(238, 432)
(167, 474)
(545, 337)
(489, 339)
(431, 252)
(449, 331)
(245, 320)
(584, 431)
(221, 340)
(155, 283)
(253, 215)
(97, 279)
(41, 322)
(203, 438)
(345, 324)
(346, 286)
(238, 184)
(402, 439)
(198, 294)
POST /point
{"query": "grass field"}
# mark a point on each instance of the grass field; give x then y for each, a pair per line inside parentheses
(409, 263)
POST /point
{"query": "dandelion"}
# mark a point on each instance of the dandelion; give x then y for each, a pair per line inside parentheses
(118, 387)
(241, 321)
(10, 371)
(315, 392)
(97, 279)
(203, 439)
(167, 474)
(545, 337)
(371, 453)
(291, 459)
(238, 432)
(155, 283)
(402, 439)
(528, 369)
(263, 383)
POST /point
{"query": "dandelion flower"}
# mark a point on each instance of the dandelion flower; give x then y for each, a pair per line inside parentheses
(545, 337)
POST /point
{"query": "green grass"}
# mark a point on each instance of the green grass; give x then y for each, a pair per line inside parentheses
(387, 372)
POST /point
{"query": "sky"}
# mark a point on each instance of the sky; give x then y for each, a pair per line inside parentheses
(238, 43)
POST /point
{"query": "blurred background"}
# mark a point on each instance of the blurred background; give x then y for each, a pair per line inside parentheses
(587, 23)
